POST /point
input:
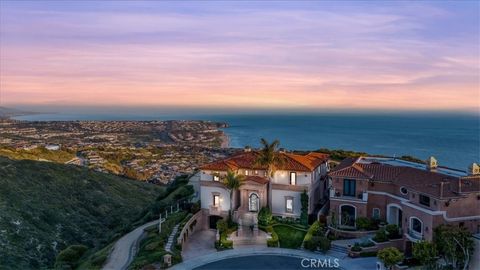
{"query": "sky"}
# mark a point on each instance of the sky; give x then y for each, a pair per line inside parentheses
(381, 55)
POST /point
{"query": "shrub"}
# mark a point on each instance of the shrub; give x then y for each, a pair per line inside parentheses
(367, 243)
(222, 226)
(69, 257)
(356, 247)
(264, 216)
(304, 210)
(380, 236)
(364, 223)
(425, 252)
(324, 243)
(390, 256)
(310, 245)
(99, 260)
(272, 242)
(393, 231)
(152, 246)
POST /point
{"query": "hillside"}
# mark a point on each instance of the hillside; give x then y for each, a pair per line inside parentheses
(45, 207)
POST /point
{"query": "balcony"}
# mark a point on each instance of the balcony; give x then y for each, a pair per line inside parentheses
(215, 210)
(414, 236)
(361, 197)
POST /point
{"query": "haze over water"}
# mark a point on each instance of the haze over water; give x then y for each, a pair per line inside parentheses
(452, 138)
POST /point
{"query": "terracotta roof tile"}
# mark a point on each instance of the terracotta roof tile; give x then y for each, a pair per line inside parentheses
(247, 160)
(424, 181)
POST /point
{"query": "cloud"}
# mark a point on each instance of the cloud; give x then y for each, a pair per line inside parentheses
(358, 57)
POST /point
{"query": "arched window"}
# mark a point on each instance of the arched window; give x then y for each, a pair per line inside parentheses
(253, 203)
(416, 225)
(348, 215)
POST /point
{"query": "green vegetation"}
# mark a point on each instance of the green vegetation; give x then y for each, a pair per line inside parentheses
(225, 228)
(426, 253)
(304, 213)
(264, 216)
(40, 153)
(232, 183)
(46, 207)
(289, 236)
(339, 154)
(68, 258)
(454, 244)
(393, 231)
(390, 256)
(316, 239)
(273, 241)
(380, 236)
(152, 247)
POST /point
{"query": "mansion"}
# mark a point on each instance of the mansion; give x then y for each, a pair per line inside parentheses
(281, 192)
(416, 197)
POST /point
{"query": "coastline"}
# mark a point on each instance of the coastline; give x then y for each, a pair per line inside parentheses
(225, 140)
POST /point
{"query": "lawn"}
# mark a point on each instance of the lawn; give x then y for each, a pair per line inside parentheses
(289, 237)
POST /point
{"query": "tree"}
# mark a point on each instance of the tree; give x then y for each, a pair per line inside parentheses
(455, 244)
(270, 158)
(304, 213)
(390, 256)
(426, 253)
(232, 183)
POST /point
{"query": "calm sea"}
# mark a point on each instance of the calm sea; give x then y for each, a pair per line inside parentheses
(453, 139)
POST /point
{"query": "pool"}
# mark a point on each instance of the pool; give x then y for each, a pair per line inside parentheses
(263, 262)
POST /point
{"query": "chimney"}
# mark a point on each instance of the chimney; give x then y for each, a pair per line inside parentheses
(432, 163)
(474, 169)
(247, 149)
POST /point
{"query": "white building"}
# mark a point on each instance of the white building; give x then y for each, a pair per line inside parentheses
(282, 194)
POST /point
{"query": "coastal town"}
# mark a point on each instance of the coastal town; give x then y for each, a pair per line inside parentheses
(153, 151)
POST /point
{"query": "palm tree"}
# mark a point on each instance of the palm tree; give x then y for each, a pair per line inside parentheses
(269, 158)
(232, 183)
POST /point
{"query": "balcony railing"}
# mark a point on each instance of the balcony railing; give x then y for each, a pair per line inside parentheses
(215, 210)
(360, 197)
(414, 235)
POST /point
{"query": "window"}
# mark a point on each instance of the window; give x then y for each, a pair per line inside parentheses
(425, 200)
(216, 178)
(416, 225)
(289, 204)
(246, 172)
(376, 213)
(253, 203)
(256, 172)
(404, 190)
(216, 200)
(349, 187)
(293, 178)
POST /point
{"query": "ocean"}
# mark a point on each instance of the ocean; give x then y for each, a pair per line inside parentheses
(454, 139)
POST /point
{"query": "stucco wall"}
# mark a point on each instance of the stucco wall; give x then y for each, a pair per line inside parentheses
(207, 197)
(278, 202)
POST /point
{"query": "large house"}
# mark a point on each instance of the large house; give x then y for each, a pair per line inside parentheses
(281, 193)
(416, 197)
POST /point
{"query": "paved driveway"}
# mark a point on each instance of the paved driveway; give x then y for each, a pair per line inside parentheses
(199, 244)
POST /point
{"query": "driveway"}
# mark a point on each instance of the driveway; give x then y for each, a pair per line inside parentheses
(199, 244)
(125, 249)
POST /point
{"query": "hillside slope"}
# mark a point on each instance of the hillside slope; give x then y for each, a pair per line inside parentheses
(45, 207)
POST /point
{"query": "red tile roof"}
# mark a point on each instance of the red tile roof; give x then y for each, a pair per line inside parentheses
(247, 160)
(425, 181)
(257, 179)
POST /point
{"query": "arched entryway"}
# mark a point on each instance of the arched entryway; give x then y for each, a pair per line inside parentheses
(213, 221)
(348, 214)
(394, 214)
(253, 202)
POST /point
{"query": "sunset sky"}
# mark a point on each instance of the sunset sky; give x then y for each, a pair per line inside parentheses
(279, 55)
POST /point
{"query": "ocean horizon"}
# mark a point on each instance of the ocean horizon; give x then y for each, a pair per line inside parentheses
(452, 138)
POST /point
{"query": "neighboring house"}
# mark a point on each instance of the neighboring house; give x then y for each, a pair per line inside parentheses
(417, 197)
(282, 194)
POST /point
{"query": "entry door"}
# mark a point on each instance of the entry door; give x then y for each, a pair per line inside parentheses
(253, 203)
